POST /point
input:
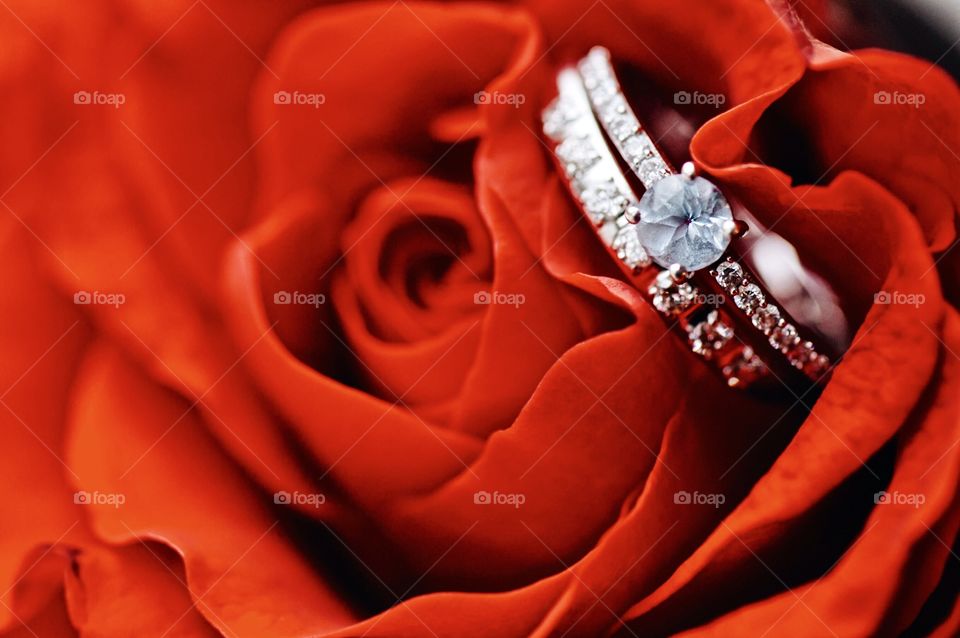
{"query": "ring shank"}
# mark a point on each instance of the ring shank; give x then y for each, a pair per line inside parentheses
(598, 136)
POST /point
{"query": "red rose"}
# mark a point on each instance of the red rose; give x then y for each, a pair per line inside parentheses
(303, 336)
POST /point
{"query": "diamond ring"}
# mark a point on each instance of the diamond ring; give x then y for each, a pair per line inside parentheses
(683, 242)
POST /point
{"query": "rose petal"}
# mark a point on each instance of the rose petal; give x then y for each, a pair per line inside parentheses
(154, 317)
(422, 455)
(179, 489)
(840, 435)
(130, 590)
(41, 338)
(372, 95)
(738, 47)
(883, 579)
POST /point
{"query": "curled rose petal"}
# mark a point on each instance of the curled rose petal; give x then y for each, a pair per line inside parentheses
(134, 588)
(41, 342)
(307, 337)
(902, 539)
(840, 435)
(231, 545)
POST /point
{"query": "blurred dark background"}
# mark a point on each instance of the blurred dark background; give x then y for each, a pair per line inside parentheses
(926, 28)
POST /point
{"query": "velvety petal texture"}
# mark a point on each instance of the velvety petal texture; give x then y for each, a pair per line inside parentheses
(303, 335)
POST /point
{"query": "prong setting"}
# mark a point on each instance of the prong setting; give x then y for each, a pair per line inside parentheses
(679, 273)
(735, 228)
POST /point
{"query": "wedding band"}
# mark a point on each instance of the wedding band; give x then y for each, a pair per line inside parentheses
(677, 241)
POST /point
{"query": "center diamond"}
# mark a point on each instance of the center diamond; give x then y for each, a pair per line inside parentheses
(682, 222)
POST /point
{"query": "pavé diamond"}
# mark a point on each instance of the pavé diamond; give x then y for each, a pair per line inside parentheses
(766, 318)
(623, 127)
(577, 154)
(682, 221)
(817, 366)
(746, 367)
(638, 148)
(709, 335)
(614, 108)
(784, 336)
(748, 298)
(730, 275)
(557, 117)
(800, 353)
(604, 90)
(604, 202)
(628, 248)
(669, 296)
(651, 170)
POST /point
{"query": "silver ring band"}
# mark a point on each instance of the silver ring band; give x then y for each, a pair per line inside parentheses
(589, 120)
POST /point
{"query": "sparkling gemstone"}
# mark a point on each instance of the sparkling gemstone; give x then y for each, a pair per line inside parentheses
(557, 117)
(748, 298)
(651, 170)
(682, 222)
(709, 335)
(729, 275)
(628, 248)
(783, 336)
(616, 106)
(800, 353)
(589, 75)
(746, 367)
(637, 148)
(604, 202)
(817, 366)
(623, 127)
(577, 154)
(671, 297)
(604, 90)
(766, 318)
